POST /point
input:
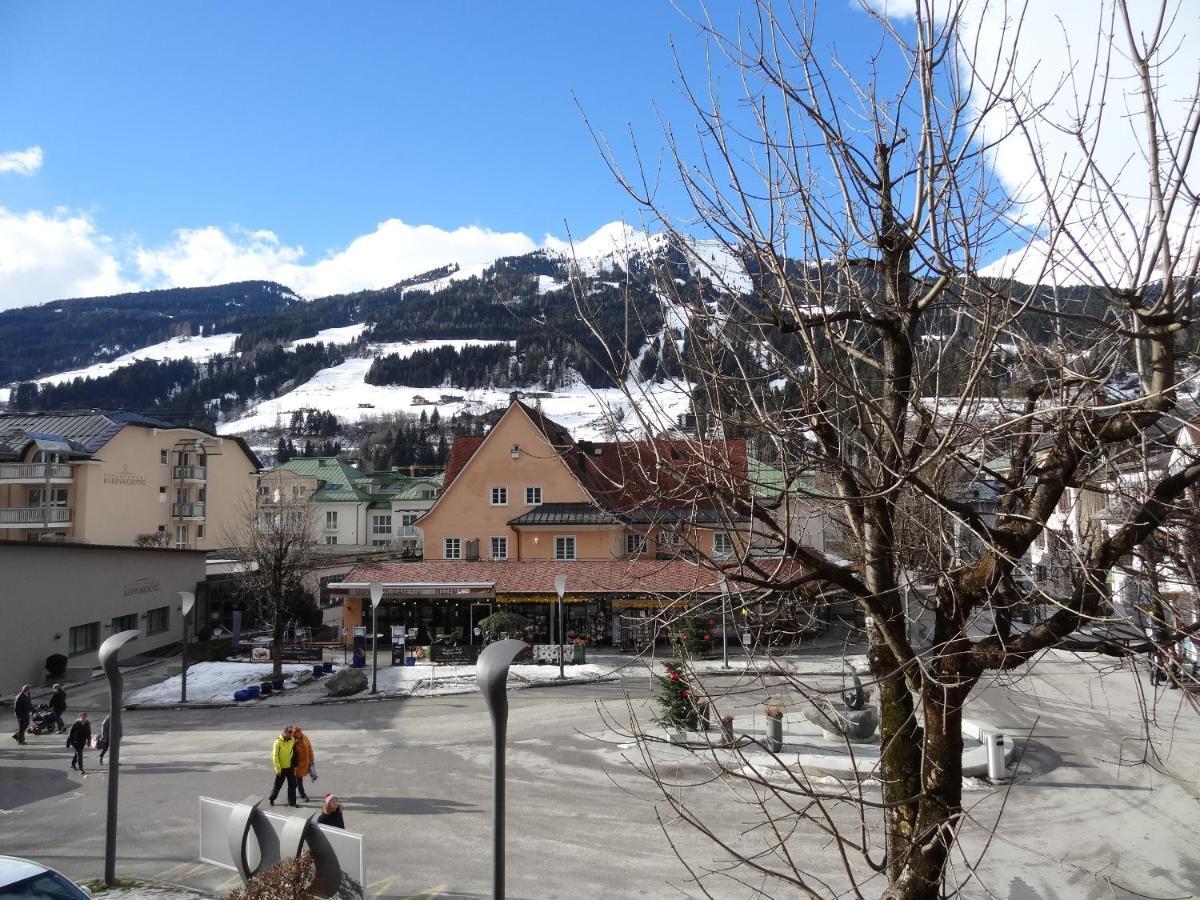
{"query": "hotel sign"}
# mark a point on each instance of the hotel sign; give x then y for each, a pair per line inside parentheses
(125, 477)
(142, 586)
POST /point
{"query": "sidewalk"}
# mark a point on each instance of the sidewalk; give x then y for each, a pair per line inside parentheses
(211, 685)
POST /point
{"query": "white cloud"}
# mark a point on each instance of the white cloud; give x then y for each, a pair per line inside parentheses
(46, 257)
(393, 251)
(1071, 59)
(21, 162)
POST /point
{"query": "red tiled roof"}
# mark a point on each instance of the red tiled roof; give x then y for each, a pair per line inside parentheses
(461, 450)
(537, 576)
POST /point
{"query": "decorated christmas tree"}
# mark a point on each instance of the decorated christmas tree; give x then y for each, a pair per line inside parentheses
(693, 636)
(676, 703)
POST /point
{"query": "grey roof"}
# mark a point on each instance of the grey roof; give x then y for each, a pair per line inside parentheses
(566, 514)
(91, 430)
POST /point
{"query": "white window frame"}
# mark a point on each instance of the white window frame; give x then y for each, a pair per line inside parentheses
(331, 520)
(529, 489)
(331, 539)
(499, 495)
(181, 537)
(561, 545)
(721, 538)
(452, 548)
(499, 542)
(635, 543)
(200, 531)
(378, 529)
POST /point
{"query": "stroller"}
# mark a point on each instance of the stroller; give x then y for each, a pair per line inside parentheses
(43, 720)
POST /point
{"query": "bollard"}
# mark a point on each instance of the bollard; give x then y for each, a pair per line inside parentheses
(774, 734)
(994, 742)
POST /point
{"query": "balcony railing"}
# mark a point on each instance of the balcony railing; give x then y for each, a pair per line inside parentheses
(406, 531)
(34, 471)
(187, 510)
(191, 473)
(34, 516)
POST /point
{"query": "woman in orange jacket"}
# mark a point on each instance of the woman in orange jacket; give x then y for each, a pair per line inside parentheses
(304, 759)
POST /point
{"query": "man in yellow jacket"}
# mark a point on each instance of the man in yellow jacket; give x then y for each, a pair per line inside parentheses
(281, 756)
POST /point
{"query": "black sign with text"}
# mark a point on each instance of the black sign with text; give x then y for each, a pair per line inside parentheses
(444, 655)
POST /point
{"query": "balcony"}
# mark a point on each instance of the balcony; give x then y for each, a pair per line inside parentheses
(35, 517)
(35, 473)
(187, 510)
(190, 473)
(406, 531)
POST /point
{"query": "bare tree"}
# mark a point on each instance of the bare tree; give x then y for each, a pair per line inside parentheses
(960, 426)
(274, 545)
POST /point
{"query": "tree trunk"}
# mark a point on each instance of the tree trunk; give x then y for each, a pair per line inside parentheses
(277, 648)
(941, 801)
(900, 756)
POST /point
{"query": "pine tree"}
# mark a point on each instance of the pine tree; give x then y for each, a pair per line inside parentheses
(677, 706)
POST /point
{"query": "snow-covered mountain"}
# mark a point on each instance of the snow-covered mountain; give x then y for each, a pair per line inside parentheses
(423, 316)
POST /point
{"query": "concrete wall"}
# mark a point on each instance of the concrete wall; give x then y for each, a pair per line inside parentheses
(46, 589)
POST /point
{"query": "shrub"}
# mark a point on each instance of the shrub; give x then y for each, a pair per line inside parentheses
(290, 880)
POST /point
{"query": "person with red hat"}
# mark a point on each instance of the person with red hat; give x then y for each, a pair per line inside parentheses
(331, 812)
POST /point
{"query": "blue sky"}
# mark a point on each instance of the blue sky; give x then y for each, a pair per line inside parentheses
(152, 144)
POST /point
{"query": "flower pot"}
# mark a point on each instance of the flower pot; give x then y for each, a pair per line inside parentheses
(253, 691)
(318, 670)
(277, 683)
(327, 667)
(265, 688)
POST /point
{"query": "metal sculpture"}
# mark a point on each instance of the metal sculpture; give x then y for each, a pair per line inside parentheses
(492, 677)
(109, 651)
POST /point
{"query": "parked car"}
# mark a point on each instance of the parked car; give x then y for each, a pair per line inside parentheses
(29, 880)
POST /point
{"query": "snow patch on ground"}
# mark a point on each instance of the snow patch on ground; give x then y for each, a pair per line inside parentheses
(344, 334)
(197, 349)
(215, 682)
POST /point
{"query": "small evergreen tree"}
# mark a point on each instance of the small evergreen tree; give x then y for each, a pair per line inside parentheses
(693, 635)
(677, 706)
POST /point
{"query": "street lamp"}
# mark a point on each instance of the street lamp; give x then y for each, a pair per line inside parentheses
(560, 585)
(492, 677)
(724, 622)
(376, 590)
(187, 600)
(109, 651)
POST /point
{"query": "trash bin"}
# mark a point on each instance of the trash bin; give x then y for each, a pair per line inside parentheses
(265, 687)
(253, 691)
(318, 670)
(410, 661)
(277, 683)
(327, 667)
(359, 661)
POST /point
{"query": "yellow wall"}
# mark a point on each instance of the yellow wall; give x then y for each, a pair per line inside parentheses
(465, 509)
(119, 497)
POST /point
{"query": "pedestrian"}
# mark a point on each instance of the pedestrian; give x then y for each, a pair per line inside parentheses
(23, 709)
(305, 760)
(102, 739)
(331, 812)
(58, 706)
(79, 737)
(281, 757)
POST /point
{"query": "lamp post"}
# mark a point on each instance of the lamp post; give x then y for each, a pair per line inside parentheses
(724, 622)
(560, 586)
(492, 677)
(376, 590)
(187, 600)
(109, 651)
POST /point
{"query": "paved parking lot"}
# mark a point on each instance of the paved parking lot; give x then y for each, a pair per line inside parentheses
(415, 777)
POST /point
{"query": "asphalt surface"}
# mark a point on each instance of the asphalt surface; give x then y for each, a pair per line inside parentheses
(1091, 812)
